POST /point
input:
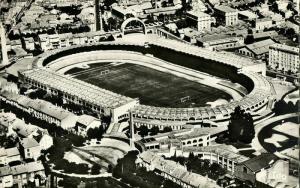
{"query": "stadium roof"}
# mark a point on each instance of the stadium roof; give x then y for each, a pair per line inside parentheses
(78, 89)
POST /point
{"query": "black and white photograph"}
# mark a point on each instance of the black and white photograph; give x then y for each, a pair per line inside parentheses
(149, 93)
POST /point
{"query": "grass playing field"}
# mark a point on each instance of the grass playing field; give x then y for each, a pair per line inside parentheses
(152, 87)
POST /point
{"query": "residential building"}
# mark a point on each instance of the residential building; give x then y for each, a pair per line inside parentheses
(8, 155)
(54, 41)
(199, 6)
(52, 114)
(188, 34)
(220, 42)
(262, 169)
(264, 23)
(137, 10)
(283, 57)
(247, 15)
(199, 20)
(29, 43)
(30, 148)
(45, 141)
(174, 171)
(257, 50)
(282, 5)
(84, 123)
(6, 178)
(22, 174)
(15, 44)
(227, 14)
(277, 19)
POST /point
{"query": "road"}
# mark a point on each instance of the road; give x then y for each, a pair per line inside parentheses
(255, 142)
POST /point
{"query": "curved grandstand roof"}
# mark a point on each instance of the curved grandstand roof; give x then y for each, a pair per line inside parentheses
(262, 90)
(77, 88)
(257, 98)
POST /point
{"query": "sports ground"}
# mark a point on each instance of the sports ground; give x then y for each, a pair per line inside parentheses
(151, 86)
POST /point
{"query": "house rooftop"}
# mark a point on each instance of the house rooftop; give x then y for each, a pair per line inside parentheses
(260, 47)
(262, 161)
(226, 9)
(29, 143)
(86, 119)
(12, 151)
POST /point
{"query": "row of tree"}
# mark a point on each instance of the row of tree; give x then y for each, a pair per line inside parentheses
(145, 131)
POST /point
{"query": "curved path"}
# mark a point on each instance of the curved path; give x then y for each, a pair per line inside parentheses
(255, 142)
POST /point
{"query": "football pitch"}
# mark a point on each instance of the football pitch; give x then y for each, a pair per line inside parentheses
(151, 86)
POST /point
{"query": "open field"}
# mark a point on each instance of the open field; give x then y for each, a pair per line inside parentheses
(152, 87)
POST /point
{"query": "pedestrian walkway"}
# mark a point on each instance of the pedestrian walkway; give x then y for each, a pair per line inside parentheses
(255, 142)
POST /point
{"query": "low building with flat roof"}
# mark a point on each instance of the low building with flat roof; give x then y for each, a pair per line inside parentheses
(220, 42)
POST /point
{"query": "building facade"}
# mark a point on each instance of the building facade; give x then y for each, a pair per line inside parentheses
(174, 171)
(261, 24)
(30, 148)
(200, 20)
(227, 14)
(22, 174)
(263, 168)
(220, 42)
(284, 58)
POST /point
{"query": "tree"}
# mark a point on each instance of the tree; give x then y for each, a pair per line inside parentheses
(241, 127)
(143, 131)
(154, 130)
(249, 39)
(290, 32)
(95, 169)
(167, 129)
(111, 22)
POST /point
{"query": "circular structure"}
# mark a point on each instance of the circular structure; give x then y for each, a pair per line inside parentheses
(185, 59)
(126, 22)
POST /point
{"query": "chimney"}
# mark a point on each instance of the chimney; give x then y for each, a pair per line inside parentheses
(3, 45)
(97, 16)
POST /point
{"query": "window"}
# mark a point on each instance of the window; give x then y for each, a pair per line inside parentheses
(244, 169)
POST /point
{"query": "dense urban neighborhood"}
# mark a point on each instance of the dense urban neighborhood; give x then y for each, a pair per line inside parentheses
(149, 93)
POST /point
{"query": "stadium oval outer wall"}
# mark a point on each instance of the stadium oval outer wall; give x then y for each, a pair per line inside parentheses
(260, 97)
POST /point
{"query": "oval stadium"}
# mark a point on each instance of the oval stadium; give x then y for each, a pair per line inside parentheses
(142, 78)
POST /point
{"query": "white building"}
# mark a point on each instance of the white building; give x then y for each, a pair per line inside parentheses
(86, 122)
(227, 14)
(264, 23)
(8, 155)
(283, 57)
(29, 43)
(30, 148)
(199, 20)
